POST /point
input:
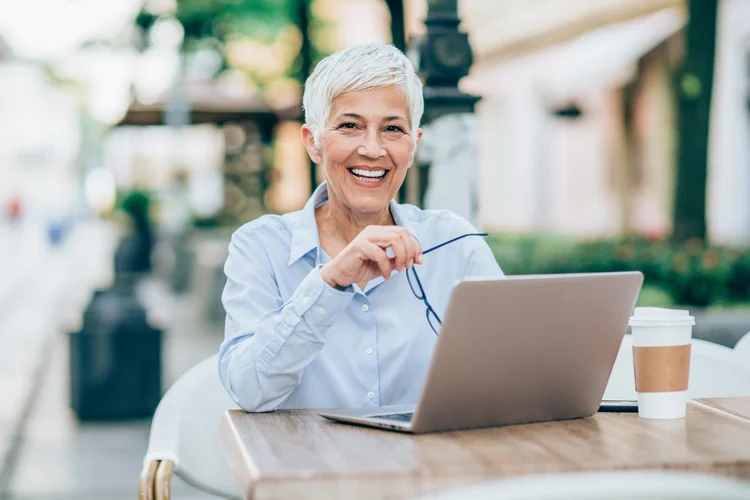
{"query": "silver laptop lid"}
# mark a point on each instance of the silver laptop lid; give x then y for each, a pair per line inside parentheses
(526, 349)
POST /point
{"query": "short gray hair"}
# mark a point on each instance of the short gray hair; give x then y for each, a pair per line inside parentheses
(361, 67)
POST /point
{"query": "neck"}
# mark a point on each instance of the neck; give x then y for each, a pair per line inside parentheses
(335, 220)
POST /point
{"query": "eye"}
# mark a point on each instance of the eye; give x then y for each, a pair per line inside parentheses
(347, 125)
(394, 128)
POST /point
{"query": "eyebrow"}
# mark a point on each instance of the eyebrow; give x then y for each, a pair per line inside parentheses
(351, 115)
(360, 117)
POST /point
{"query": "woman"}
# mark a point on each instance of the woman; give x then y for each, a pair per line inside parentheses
(324, 306)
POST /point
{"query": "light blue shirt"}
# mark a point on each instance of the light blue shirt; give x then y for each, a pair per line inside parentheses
(292, 341)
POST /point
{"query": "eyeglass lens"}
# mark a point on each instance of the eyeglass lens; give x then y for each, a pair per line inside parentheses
(432, 318)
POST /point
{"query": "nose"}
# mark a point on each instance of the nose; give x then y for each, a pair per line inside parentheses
(371, 148)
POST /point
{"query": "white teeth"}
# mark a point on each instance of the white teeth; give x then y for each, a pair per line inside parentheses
(368, 173)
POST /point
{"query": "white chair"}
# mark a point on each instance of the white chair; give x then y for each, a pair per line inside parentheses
(742, 349)
(715, 372)
(626, 485)
(185, 438)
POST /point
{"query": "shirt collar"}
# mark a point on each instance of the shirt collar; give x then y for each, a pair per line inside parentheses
(305, 236)
(305, 232)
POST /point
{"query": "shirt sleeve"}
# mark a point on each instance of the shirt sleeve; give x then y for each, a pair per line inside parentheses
(268, 343)
(481, 261)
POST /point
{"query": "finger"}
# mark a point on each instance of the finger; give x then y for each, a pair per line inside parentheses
(408, 249)
(384, 236)
(377, 254)
(414, 250)
(400, 252)
(420, 253)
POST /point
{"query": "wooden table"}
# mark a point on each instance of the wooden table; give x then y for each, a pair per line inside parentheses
(297, 454)
(739, 407)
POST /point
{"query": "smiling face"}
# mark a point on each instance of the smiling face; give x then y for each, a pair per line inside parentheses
(366, 148)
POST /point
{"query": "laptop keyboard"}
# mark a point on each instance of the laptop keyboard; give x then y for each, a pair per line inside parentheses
(401, 417)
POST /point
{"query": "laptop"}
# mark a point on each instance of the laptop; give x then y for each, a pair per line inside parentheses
(517, 350)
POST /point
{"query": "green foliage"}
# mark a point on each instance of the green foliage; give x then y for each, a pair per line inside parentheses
(263, 21)
(738, 279)
(696, 274)
(654, 296)
(220, 18)
(691, 273)
(136, 204)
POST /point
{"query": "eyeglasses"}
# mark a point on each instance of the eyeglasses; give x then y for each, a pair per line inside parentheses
(432, 318)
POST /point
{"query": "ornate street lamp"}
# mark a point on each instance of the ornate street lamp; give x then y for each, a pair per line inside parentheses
(398, 33)
(442, 56)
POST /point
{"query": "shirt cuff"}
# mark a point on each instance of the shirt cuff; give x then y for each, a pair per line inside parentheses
(319, 303)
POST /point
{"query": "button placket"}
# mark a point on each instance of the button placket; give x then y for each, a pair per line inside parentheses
(371, 328)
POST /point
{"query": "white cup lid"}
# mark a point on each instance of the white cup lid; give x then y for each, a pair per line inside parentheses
(659, 316)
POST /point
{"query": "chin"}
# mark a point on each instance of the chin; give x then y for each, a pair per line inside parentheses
(370, 204)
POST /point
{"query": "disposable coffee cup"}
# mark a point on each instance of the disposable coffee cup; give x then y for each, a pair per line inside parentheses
(661, 360)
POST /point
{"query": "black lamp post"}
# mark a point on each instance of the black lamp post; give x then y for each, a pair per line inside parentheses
(398, 33)
(443, 57)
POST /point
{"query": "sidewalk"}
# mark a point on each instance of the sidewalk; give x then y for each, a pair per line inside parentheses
(35, 279)
(46, 453)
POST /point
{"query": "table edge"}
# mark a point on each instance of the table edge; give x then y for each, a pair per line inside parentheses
(235, 453)
(250, 478)
(706, 403)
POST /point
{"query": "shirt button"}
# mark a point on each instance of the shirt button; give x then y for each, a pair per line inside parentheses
(370, 350)
(371, 395)
(365, 308)
(320, 310)
(305, 300)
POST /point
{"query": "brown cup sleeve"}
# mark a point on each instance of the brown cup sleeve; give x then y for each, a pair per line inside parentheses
(661, 368)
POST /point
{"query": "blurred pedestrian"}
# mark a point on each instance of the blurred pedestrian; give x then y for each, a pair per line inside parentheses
(14, 208)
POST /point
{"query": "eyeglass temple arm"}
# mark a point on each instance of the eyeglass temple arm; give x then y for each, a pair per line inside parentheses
(454, 239)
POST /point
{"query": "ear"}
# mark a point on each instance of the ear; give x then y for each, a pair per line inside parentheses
(312, 149)
(416, 145)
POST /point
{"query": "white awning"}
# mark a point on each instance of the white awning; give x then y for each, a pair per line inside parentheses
(605, 57)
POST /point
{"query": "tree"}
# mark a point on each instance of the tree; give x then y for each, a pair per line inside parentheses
(694, 93)
(260, 20)
(223, 18)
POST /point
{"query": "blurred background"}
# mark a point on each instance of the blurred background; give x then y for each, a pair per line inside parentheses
(137, 135)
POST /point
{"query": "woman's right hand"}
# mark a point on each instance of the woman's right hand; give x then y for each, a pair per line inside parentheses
(366, 256)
